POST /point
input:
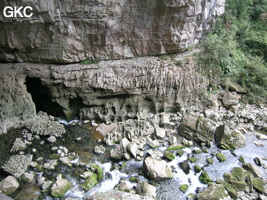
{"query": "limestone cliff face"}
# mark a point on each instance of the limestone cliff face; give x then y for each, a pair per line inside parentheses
(64, 31)
(109, 90)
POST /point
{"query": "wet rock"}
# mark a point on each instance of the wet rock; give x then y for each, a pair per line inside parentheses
(238, 185)
(4, 197)
(116, 153)
(90, 182)
(52, 139)
(204, 177)
(258, 143)
(220, 157)
(153, 143)
(9, 185)
(118, 195)
(99, 149)
(125, 186)
(143, 188)
(50, 165)
(154, 154)
(157, 169)
(258, 161)
(184, 188)
(18, 145)
(260, 136)
(17, 164)
(213, 192)
(229, 139)
(231, 191)
(46, 185)
(185, 167)
(28, 177)
(60, 187)
(258, 184)
(169, 155)
(253, 169)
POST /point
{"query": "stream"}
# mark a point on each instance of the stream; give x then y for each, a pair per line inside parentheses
(116, 171)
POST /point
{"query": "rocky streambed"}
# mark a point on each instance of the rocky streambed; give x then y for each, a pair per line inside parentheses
(217, 153)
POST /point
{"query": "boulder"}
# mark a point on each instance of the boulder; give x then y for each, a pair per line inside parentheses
(214, 192)
(52, 139)
(157, 169)
(60, 187)
(114, 195)
(160, 133)
(205, 131)
(229, 139)
(99, 149)
(4, 197)
(188, 126)
(253, 169)
(18, 145)
(125, 186)
(28, 177)
(132, 148)
(185, 166)
(17, 164)
(143, 188)
(230, 99)
(9, 185)
(90, 182)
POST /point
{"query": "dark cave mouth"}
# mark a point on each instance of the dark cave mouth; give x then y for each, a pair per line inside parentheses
(42, 98)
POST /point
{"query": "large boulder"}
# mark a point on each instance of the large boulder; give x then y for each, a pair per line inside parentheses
(214, 192)
(60, 187)
(71, 31)
(17, 164)
(9, 185)
(157, 169)
(143, 188)
(229, 139)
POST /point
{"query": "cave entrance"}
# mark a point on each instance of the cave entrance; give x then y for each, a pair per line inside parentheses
(41, 96)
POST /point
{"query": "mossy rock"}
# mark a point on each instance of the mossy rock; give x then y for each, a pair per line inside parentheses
(205, 150)
(204, 177)
(180, 153)
(238, 185)
(197, 151)
(241, 159)
(184, 188)
(90, 182)
(239, 173)
(213, 192)
(220, 157)
(98, 170)
(231, 191)
(197, 169)
(192, 159)
(133, 179)
(60, 188)
(169, 155)
(175, 147)
(258, 184)
(209, 160)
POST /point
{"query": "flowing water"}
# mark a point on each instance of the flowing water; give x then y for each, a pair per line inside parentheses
(166, 189)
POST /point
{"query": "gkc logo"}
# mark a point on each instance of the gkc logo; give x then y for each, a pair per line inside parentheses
(18, 11)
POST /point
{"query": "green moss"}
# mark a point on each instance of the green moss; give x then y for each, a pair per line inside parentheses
(69, 115)
(180, 153)
(204, 178)
(169, 155)
(133, 179)
(98, 171)
(88, 62)
(220, 157)
(197, 151)
(238, 185)
(205, 150)
(175, 147)
(60, 192)
(184, 188)
(231, 191)
(197, 169)
(209, 160)
(90, 182)
(258, 184)
(123, 164)
(192, 159)
(241, 159)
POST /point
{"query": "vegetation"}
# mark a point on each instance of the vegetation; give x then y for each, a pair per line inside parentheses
(236, 49)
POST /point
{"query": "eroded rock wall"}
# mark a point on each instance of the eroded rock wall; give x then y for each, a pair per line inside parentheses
(109, 90)
(64, 31)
